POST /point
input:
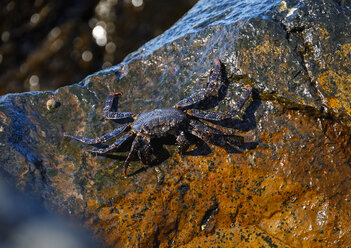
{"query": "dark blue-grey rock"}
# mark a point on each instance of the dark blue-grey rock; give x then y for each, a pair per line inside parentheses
(24, 222)
(288, 184)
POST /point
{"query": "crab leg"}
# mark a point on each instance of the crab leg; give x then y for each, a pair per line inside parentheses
(113, 146)
(101, 139)
(145, 151)
(203, 94)
(141, 148)
(213, 133)
(131, 155)
(221, 141)
(205, 115)
(183, 142)
(108, 114)
(209, 130)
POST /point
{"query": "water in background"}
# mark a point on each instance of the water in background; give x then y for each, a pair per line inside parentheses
(48, 44)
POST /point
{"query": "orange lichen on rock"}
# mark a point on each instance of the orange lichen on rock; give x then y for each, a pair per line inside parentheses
(345, 51)
(333, 74)
(268, 48)
(334, 103)
(324, 33)
(269, 60)
(268, 196)
(336, 84)
(267, 54)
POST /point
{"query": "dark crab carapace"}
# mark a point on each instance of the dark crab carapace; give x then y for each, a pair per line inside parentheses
(182, 121)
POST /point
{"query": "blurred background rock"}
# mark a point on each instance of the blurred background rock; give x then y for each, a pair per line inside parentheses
(48, 44)
(24, 222)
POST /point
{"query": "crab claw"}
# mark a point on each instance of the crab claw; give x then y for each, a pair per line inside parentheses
(248, 87)
(118, 93)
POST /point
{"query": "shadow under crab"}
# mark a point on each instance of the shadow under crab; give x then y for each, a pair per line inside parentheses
(183, 122)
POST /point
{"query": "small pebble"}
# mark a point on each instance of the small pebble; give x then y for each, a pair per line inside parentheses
(51, 104)
(283, 6)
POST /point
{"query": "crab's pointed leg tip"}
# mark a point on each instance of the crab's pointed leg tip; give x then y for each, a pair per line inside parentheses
(118, 93)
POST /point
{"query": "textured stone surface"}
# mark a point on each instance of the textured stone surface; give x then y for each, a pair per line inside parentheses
(287, 186)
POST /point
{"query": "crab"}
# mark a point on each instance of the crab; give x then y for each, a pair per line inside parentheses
(186, 119)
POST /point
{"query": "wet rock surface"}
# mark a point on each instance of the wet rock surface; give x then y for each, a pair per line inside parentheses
(287, 186)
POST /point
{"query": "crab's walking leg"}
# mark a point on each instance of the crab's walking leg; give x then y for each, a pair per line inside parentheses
(217, 140)
(220, 141)
(113, 146)
(183, 142)
(145, 151)
(108, 114)
(213, 133)
(205, 115)
(131, 155)
(101, 139)
(203, 94)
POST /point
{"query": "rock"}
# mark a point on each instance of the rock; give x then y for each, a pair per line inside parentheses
(288, 185)
(25, 223)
